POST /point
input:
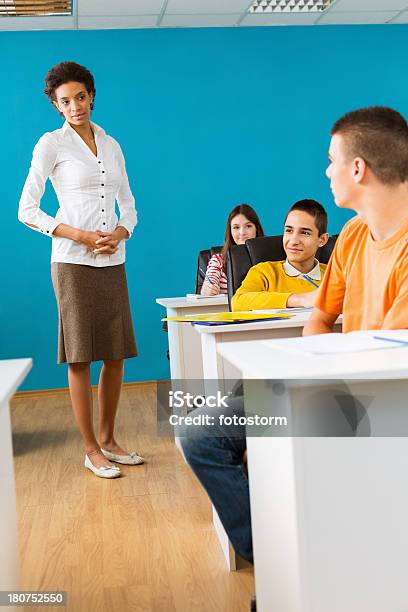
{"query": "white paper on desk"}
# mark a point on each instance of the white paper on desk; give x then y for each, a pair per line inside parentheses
(294, 310)
(283, 310)
(326, 344)
(197, 296)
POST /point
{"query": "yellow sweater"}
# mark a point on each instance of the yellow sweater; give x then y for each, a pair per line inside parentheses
(268, 286)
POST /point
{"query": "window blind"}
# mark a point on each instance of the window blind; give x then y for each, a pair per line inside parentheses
(13, 8)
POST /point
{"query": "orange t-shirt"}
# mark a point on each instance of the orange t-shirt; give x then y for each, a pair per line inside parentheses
(367, 280)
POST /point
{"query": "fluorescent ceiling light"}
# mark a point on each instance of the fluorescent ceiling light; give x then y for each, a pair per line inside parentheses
(289, 6)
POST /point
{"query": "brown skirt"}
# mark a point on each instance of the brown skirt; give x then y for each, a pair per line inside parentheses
(94, 313)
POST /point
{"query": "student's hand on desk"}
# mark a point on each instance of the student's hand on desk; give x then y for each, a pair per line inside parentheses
(209, 289)
(309, 298)
(302, 300)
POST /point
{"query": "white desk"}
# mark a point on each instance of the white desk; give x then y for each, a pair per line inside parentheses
(215, 367)
(219, 373)
(328, 513)
(186, 364)
(184, 344)
(12, 374)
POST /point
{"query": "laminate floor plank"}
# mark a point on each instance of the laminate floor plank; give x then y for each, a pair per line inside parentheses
(140, 543)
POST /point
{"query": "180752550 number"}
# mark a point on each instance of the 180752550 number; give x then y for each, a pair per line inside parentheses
(29, 598)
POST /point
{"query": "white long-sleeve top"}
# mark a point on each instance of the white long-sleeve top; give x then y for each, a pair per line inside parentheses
(86, 187)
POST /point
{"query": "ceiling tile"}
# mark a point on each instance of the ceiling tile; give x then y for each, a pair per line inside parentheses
(357, 18)
(357, 6)
(124, 22)
(119, 7)
(403, 18)
(199, 21)
(269, 19)
(37, 23)
(188, 7)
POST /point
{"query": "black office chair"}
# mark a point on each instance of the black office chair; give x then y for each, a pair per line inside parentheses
(240, 258)
(266, 248)
(203, 259)
(238, 264)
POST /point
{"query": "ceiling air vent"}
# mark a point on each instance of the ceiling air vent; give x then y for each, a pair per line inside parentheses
(17, 8)
(290, 6)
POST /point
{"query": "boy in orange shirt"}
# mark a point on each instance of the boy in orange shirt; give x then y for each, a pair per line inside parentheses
(367, 276)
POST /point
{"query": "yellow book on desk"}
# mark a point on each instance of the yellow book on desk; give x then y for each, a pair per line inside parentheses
(220, 318)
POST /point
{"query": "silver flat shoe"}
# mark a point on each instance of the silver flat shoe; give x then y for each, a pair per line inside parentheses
(131, 459)
(104, 472)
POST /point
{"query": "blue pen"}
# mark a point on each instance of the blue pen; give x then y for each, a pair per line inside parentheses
(400, 342)
(306, 277)
(206, 277)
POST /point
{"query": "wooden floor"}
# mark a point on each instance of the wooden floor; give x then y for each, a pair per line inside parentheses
(141, 542)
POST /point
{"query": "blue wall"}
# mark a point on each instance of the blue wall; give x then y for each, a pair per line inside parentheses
(207, 118)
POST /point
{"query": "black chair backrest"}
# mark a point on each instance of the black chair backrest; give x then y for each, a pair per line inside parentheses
(203, 259)
(240, 258)
(266, 248)
(238, 264)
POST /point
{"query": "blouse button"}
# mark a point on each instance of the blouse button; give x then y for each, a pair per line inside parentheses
(104, 223)
(103, 210)
(103, 171)
(102, 184)
(102, 196)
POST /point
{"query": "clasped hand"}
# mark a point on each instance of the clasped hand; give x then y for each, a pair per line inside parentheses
(100, 243)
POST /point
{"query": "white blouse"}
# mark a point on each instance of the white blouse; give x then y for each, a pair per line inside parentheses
(86, 187)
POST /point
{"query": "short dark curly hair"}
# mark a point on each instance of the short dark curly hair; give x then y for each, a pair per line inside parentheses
(64, 72)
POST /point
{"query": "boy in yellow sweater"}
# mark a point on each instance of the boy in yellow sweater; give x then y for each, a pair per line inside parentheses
(294, 282)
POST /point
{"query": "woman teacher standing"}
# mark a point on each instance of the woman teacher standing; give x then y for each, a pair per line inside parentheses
(87, 170)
